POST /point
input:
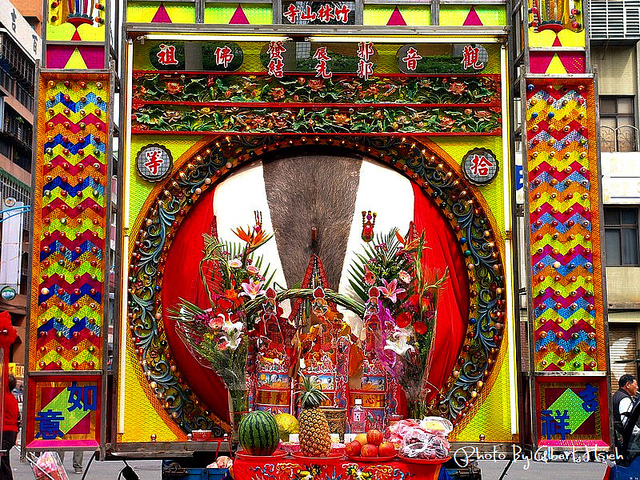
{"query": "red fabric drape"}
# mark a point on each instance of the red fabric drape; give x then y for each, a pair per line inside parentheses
(182, 280)
(453, 303)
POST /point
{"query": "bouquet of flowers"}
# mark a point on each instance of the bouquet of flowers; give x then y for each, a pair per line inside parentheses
(218, 336)
(400, 311)
(218, 341)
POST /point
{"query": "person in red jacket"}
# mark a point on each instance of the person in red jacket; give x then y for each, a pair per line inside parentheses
(10, 428)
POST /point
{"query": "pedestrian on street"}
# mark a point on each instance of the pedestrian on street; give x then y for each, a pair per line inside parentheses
(622, 402)
(10, 429)
(77, 460)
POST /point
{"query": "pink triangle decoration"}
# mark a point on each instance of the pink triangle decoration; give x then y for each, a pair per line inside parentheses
(573, 62)
(396, 18)
(539, 62)
(239, 18)
(161, 16)
(557, 42)
(93, 57)
(58, 55)
(473, 19)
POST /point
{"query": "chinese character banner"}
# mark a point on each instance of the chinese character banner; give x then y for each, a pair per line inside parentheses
(313, 88)
(65, 412)
(159, 14)
(319, 57)
(319, 13)
(572, 412)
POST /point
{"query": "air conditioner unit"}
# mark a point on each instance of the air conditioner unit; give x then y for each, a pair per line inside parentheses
(614, 20)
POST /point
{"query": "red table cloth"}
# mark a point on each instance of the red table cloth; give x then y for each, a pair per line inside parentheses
(332, 468)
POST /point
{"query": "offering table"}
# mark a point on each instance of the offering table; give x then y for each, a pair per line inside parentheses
(334, 468)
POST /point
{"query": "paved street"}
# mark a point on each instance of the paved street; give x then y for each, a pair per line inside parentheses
(146, 470)
(546, 471)
(151, 470)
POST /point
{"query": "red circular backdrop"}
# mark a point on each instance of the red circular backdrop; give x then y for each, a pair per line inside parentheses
(181, 280)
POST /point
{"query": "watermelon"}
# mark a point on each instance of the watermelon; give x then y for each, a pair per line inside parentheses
(258, 433)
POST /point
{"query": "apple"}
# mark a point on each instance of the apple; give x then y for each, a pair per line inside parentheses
(361, 438)
(369, 450)
(374, 437)
(353, 448)
(386, 449)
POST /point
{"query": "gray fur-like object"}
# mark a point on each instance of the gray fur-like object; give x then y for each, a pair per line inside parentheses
(307, 191)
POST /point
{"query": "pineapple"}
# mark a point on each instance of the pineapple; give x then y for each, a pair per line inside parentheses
(315, 440)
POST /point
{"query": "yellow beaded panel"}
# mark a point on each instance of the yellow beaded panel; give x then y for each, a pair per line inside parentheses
(411, 15)
(238, 14)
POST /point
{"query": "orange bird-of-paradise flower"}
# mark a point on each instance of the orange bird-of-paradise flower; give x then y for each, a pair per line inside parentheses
(409, 243)
(253, 237)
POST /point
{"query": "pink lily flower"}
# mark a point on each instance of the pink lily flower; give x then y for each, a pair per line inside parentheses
(252, 289)
(391, 290)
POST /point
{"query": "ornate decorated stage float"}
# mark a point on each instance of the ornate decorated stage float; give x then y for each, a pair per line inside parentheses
(315, 240)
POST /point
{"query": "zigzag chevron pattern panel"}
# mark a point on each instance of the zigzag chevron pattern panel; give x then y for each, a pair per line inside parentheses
(563, 196)
(72, 178)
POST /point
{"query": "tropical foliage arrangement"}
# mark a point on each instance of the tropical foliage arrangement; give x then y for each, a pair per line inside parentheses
(218, 336)
(401, 310)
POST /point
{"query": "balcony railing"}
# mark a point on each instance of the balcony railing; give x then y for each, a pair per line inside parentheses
(621, 139)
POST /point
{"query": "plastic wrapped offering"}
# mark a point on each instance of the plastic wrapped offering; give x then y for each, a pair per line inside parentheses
(49, 466)
(424, 440)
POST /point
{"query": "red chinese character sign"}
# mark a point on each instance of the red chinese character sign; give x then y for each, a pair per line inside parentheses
(275, 67)
(65, 413)
(480, 166)
(362, 58)
(168, 56)
(223, 55)
(410, 60)
(220, 57)
(204, 56)
(474, 57)
(319, 13)
(154, 162)
(321, 56)
(457, 58)
(365, 53)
